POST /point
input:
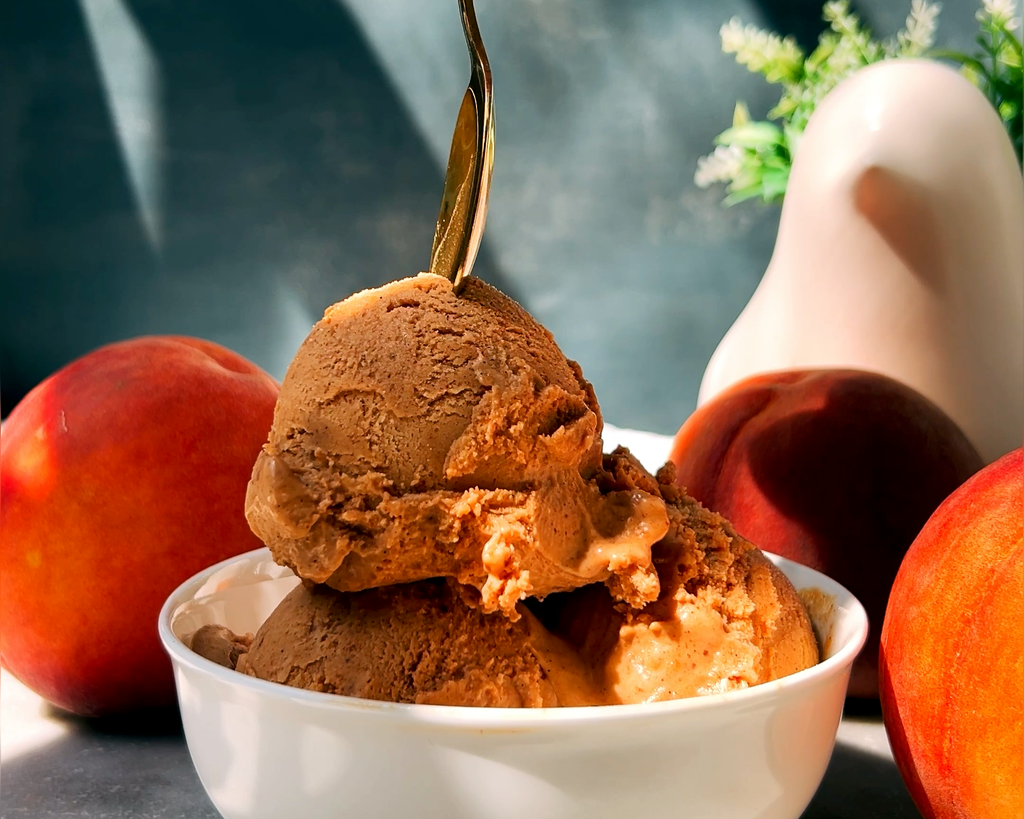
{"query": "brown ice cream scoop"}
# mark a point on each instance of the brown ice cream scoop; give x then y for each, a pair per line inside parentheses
(419, 434)
(726, 619)
(416, 643)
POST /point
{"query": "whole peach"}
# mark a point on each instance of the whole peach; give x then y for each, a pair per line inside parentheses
(952, 653)
(836, 469)
(121, 475)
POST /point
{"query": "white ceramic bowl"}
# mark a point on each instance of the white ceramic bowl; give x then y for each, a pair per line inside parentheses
(267, 751)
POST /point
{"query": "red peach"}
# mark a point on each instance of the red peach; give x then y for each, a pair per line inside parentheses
(952, 652)
(836, 469)
(121, 475)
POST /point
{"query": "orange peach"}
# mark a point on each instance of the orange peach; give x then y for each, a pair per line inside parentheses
(836, 469)
(952, 652)
(121, 475)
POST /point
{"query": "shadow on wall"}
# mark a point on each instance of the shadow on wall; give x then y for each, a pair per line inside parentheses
(801, 19)
(175, 166)
(227, 169)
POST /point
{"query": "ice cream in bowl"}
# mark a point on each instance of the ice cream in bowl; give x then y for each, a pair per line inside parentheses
(467, 608)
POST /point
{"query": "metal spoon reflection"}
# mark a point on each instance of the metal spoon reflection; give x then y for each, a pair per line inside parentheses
(460, 221)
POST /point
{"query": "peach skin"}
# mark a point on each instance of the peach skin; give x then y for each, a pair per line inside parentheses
(122, 475)
(952, 652)
(836, 469)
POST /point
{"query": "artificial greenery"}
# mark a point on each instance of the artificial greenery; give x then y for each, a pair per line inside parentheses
(754, 157)
(996, 69)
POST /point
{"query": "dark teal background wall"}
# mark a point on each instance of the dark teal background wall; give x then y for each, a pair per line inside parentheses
(228, 168)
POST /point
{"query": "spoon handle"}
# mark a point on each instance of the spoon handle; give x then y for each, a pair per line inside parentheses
(460, 221)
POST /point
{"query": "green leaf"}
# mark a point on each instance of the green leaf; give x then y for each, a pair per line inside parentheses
(774, 184)
(1012, 51)
(749, 176)
(737, 196)
(740, 115)
(751, 135)
(793, 137)
(826, 45)
(787, 105)
(767, 149)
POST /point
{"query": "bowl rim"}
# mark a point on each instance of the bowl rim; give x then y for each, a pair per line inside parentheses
(480, 718)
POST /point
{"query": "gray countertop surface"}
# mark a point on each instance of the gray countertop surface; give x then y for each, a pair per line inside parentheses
(53, 765)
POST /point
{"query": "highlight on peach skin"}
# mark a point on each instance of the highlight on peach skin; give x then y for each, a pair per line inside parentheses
(952, 654)
(835, 469)
(122, 475)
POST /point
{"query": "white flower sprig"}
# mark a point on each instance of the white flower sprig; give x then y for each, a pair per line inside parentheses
(996, 69)
(1000, 12)
(721, 165)
(753, 158)
(761, 51)
(918, 34)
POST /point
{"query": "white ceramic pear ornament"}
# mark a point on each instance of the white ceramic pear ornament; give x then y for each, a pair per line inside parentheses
(900, 251)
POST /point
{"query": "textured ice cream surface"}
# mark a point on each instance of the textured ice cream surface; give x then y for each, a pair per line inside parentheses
(434, 475)
(419, 435)
(220, 645)
(725, 619)
(416, 643)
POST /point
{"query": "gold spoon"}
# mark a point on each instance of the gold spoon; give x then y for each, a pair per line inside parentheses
(460, 222)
